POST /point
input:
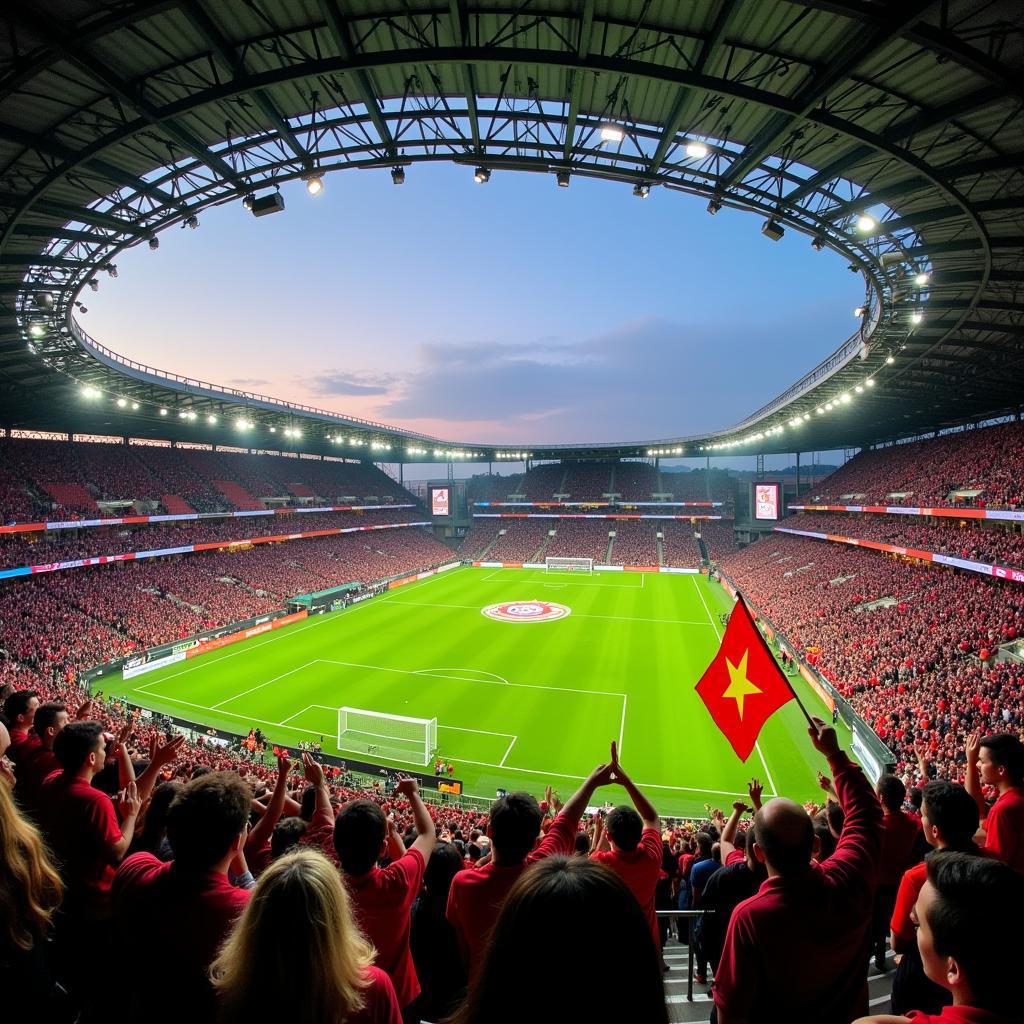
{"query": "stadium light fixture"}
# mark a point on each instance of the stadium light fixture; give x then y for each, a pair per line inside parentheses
(192, 221)
(135, 406)
(397, 175)
(94, 284)
(859, 389)
(772, 229)
(273, 430)
(859, 311)
(807, 416)
(90, 392)
(562, 178)
(111, 269)
(190, 416)
(844, 397)
(163, 411)
(870, 382)
(828, 406)
(642, 191)
(482, 175)
(890, 360)
(612, 132)
(211, 419)
(314, 184)
(36, 330)
(153, 242)
(182, 415)
(696, 150)
(916, 317)
(122, 402)
(249, 200)
(866, 223)
(817, 243)
(921, 279)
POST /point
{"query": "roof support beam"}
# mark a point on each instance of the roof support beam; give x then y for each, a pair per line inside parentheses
(586, 28)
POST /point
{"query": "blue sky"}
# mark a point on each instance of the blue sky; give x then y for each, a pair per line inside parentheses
(514, 312)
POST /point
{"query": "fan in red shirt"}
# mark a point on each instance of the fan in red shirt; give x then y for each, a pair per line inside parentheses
(998, 760)
(189, 900)
(476, 896)
(634, 838)
(796, 951)
(949, 817)
(967, 915)
(40, 761)
(20, 711)
(381, 897)
(900, 832)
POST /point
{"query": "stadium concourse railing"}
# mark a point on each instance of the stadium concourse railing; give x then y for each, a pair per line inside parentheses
(871, 751)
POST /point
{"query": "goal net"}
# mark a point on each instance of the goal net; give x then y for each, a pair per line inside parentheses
(396, 737)
(568, 565)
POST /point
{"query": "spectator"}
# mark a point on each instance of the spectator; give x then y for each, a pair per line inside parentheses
(579, 915)
(30, 891)
(38, 761)
(949, 817)
(382, 897)
(999, 762)
(151, 834)
(634, 838)
(796, 951)
(20, 711)
(191, 896)
(435, 949)
(899, 836)
(297, 954)
(476, 896)
(287, 835)
(968, 915)
(704, 867)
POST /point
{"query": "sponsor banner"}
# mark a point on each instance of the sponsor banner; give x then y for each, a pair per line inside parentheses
(163, 552)
(450, 565)
(525, 565)
(948, 512)
(584, 515)
(681, 570)
(963, 563)
(594, 504)
(8, 574)
(815, 684)
(77, 563)
(130, 671)
(1004, 572)
(607, 568)
(641, 568)
(490, 565)
(215, 643)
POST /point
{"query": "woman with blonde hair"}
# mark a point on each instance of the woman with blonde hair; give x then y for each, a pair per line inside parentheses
(30, 891)
(297, 953)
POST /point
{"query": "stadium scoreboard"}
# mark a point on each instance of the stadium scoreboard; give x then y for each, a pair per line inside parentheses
(440, 501)
(767, 499)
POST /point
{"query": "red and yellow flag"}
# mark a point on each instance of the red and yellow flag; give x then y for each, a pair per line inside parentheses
(744, 686)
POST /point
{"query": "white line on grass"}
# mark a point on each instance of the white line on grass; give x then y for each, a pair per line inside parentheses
(718, 632)
(622, 724)
(501, 763)
(576, 615)
(302, 712)
(457, 728)
(475, 671)
(259, 686)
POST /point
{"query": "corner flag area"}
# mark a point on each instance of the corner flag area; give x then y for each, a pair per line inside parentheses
(521, 700)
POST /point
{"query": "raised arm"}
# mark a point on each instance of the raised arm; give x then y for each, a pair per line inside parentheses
(323, 812)
(727, 842)
(160, 755)
(643, 806)
(264, 828)
(574, 807)
(426, 832)
(128, 805)
(396, 848)
(972, 777)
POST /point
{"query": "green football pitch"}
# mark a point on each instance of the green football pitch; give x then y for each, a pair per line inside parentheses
(518, 704)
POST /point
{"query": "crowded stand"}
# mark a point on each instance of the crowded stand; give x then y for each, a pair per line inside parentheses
(493, 486)
(678, 544)
(521, 541)
(579, 538)
(719, 537)
(635, 481)
(480, 536)
(912, 648)
(636, 543)
(543, 482)
(45, 479)
(987, 463)
(585, 480)
(969, 539)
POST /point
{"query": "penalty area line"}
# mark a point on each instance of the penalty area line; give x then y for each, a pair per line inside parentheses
(501, 763)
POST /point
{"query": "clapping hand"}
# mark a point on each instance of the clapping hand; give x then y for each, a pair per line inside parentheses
(754, 789)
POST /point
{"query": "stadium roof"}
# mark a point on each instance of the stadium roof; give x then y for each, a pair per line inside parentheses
(889, 132)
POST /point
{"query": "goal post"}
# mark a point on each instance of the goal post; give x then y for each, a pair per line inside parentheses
(556, 564)
(395, 737)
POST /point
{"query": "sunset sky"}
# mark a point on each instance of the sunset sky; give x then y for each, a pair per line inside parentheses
(514, 312)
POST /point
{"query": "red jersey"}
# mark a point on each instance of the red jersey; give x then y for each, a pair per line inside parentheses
(735, 857)
(1004, 828)
(899, 833)
(639, 869)
(194, 912)
(81, 826)
(383, 899)
(796, 950)
(960, 1015)
(33, 768)
(22, 742)
(476, 896)
(685, 863)
(381, 1003)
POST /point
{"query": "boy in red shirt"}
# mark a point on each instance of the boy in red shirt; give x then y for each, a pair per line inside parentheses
(797, 950)
(40, 761)
(998, 760)
(634, 838)
(476, 896)
(20, 711)
(900, 832)
(189, 901)
(964, 906)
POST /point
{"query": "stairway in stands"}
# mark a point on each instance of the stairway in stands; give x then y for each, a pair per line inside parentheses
(703, 548)
(538, 555)
(608, 553)
(682, 1011)
(661, 552)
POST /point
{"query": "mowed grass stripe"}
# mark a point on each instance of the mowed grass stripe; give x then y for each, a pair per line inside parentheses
(427, 651)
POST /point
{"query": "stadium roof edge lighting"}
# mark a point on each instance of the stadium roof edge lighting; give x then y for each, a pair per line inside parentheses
(912, 191)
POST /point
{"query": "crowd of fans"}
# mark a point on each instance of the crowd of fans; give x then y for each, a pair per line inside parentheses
(989, 461)
(579, 538)
(636, 543)
(912, 647)
(984, 541)
(45, 479)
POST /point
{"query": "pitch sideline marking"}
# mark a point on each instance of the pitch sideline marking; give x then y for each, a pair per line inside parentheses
(501, 763)
(496, 575)
(622, 723)
(757, 743)
(302, 712)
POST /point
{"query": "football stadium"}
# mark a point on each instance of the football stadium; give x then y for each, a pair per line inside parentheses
(465, 569)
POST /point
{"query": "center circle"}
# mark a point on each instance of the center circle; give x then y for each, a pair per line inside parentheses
(526, 611)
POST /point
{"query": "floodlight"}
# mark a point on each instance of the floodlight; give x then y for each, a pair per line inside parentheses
(772, 229)
(642, 191)
(163, 412)
(273, 430)
(865, 223)
(314, 184)
(889, 360)
(696, 150)
(870, 382)
(182, 415)
(154, 243)
(211, 419)
(122, 402)
(36, 330)
(859, 389)
(111, 269)
(612, 132)
(135, 406)
(90, 392)
(916, 317)
(94, 284)
(192, 221)
(482, 175)
(714, 205)
(398, 175)
(562, 177)
(921, 279)
(859, 311)
(817, 243)
(248, 201)
(844, 397)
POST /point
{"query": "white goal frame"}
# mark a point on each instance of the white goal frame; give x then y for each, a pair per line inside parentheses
(376, 741)
(557, 564)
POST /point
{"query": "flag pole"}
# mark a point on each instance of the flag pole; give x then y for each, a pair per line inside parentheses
(810, 721)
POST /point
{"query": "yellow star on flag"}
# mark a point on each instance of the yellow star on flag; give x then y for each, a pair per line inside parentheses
(740, 687)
